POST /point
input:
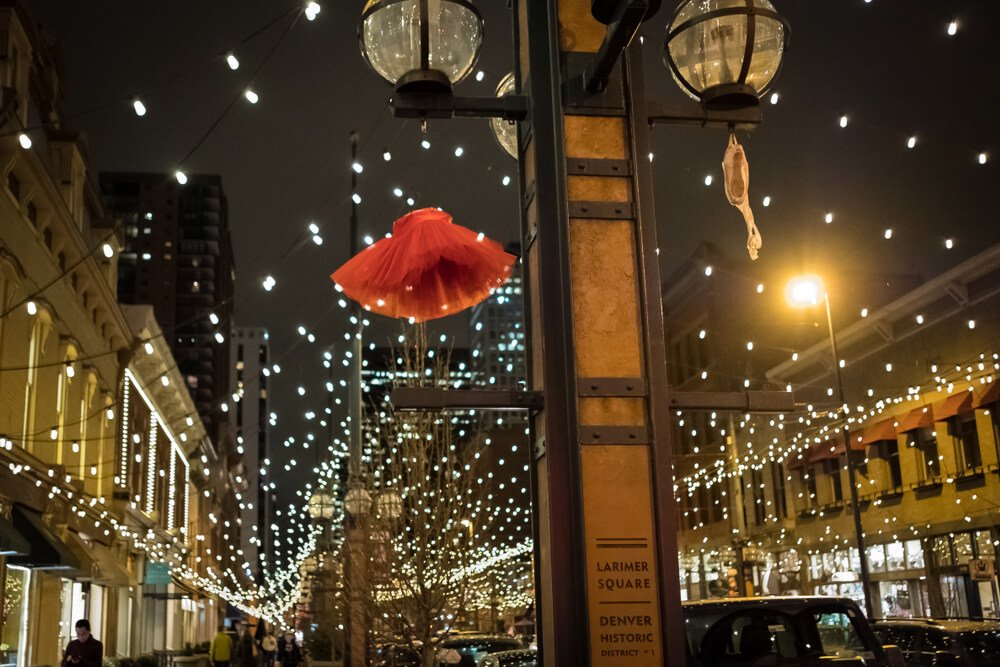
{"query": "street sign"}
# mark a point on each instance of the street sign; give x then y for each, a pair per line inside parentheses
(157, 574)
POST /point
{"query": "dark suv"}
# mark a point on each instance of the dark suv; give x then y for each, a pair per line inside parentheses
(782, 631)
(930, 642)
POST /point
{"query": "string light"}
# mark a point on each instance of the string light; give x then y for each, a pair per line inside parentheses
(181, 177)
(233, 61)
(138, 107)
(24, 140)
(312, 11)
(251, 96)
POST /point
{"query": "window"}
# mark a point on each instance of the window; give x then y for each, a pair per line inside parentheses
(963, 428)
(32, 212)
(778, 484)
(924, 444)
(809, 482)
(13, 184)
(837, 482)
(890, 452)
(752, 637)
(757, 484)
(839, 637)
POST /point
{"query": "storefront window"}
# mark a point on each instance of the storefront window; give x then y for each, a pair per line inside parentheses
(15, 607)
(914, 555)
(984, 545)
(963, 547)
(876, 558)
(896, 599)
(942, 551)
(895, 556)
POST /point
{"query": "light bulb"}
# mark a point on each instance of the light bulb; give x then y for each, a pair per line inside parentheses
(251, 96)
(139, 107)
(181, 177)
(24, 140)
(108, 251)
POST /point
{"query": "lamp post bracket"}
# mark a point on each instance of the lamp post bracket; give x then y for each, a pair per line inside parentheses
(437, 105)
(689, 112)
(434, 399)
(736, 401)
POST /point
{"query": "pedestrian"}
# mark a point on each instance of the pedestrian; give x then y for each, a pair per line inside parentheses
(221, 650)
(269, 646)
(290, 654)
(85, 650)
(247, 650)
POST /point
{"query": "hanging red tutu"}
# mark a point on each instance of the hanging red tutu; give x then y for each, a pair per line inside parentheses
(428, 268)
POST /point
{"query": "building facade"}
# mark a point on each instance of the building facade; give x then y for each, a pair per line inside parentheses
(250, 420)
(766, 499)
(106, 470)
(178, 257)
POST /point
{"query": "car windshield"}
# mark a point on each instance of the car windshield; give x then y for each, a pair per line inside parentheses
(764, 635)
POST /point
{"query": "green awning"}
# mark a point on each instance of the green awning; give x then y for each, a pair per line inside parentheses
(45, 550)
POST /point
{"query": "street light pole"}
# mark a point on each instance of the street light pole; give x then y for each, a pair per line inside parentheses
(859, 535)
(355, 653)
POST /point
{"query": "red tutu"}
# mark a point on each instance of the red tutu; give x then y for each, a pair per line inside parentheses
(428, 268)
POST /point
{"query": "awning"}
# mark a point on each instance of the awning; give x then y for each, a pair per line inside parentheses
(918, 418)
(953, 405)
(883, 430)
(46, 551)
(82, 552)
(103, 567)
(826, 451)
(12, 543)
(991, 394)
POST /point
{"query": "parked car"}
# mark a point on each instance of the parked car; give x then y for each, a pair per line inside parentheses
(787, 631)
(396, 655)
(470, 649)
(523, 658)
(930, 642)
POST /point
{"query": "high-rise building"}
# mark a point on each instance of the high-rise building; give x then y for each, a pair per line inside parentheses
(498, 342)
(249, 417)
(178, 258)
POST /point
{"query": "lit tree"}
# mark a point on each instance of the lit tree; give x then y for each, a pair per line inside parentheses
(423, 503)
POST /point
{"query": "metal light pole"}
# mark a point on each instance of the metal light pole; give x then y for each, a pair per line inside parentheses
(804, 291)
(602, 470)
(356, 649)
(859, 535)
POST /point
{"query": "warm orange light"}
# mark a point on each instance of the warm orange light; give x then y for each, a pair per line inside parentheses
(805, 291)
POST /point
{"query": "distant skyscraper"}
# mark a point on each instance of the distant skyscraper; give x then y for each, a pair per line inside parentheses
(178, 257)
(249, 418)
(498, 342)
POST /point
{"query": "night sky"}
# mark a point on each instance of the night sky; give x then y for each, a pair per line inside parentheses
(889, 65)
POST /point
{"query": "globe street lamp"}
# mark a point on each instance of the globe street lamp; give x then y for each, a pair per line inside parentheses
(725, 53)
(421, 46)
(582, 154)
(806, 292)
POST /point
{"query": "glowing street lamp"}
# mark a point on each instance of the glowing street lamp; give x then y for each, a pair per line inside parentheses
(725, 53)
(421, 46)
(806, 292)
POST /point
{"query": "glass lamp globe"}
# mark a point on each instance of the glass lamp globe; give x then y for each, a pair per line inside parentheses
(389, 505)
(421, 46)
(725, 53)
(320, 506)
(357, 502)
(505, 131)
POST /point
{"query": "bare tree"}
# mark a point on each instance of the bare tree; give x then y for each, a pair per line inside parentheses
(414, 553)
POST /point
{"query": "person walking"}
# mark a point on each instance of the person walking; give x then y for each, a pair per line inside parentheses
(290, 655)
(249, 654)
(269, 646)
(85, 650)
(221, 650)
